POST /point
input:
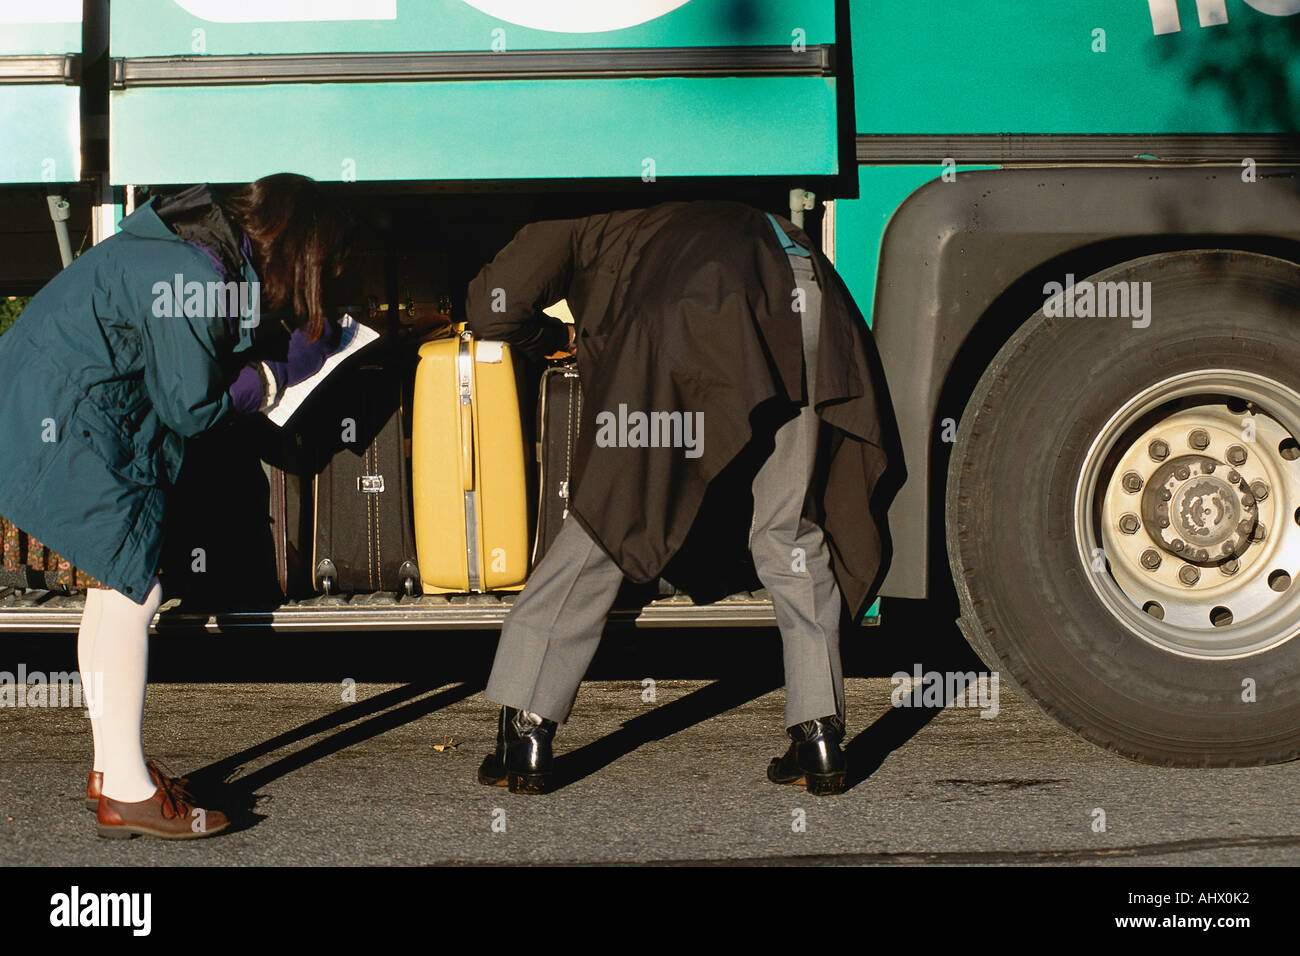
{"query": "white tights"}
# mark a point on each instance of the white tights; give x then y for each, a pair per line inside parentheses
(113, 655)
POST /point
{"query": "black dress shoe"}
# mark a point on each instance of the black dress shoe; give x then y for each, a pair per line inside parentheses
(522, 760)
(814, 758)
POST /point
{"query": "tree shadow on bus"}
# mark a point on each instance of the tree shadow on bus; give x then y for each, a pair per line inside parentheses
(221, 785)
(1250, 62)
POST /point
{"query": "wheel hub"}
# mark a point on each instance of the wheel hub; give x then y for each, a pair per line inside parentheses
(1188, 503)
(1199, 509)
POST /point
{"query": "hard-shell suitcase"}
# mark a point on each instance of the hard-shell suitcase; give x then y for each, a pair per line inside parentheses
(469, 468)
(362, 505)
(559, 410)
(559, 417)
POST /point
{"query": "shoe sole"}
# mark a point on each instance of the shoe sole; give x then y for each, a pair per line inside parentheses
(825, 784)
(92, 804)
(528, 782)
(127, 832)
(531, 783)
(818, 784)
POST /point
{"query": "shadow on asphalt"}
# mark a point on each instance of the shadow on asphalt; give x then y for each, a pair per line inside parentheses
(219, 784)
(742, 663)
(696, 707)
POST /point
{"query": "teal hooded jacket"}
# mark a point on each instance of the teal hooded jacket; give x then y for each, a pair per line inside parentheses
(102, 379)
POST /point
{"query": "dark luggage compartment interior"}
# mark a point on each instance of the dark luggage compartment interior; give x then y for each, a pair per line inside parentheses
(417, 249)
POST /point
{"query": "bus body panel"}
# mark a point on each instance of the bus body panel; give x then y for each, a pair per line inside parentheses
(634, 129)
(956, 250)
(40, 119)
(935, 67)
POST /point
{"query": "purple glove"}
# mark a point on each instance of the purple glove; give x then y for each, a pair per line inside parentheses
(252, 388)
(306, 358)
(248, 391)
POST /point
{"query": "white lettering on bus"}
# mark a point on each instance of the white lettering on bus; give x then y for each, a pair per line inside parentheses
(1212, 13)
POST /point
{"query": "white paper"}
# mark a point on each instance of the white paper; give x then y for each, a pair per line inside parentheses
(355, 337)
(561, 311)
(488, 351)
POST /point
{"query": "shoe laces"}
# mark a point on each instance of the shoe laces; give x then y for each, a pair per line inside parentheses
(176, 799)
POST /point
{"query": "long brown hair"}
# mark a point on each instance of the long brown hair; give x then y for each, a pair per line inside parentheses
(299, 237)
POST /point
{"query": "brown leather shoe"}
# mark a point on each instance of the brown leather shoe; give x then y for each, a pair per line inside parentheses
(169, 814)
(94, 787)
(95, 782)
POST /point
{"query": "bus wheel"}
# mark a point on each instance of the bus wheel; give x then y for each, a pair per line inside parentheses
(1123, 512)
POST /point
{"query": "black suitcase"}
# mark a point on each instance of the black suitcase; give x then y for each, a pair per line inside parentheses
(362, 497)
(559, 414)
(559, 410)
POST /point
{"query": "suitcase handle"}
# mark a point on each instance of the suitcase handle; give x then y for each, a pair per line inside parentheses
(465, 420)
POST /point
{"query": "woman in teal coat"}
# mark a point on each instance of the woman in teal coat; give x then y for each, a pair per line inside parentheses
(151, 337)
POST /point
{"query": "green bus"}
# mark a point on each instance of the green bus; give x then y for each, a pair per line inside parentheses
(1075, 230)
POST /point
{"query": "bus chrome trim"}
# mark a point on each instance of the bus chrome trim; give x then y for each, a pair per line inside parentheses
(61, 68)
(266, 68)
(1009, 149)
(52, 613)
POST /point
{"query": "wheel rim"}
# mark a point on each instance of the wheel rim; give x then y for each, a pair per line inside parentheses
(1188, 529)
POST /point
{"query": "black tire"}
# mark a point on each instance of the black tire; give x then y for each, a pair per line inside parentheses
(1027, 605)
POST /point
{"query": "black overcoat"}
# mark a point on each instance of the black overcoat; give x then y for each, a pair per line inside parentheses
(691, 308)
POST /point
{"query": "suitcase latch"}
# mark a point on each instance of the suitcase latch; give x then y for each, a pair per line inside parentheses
(370, 484)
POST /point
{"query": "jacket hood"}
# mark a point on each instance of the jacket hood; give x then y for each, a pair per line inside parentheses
(195, 215)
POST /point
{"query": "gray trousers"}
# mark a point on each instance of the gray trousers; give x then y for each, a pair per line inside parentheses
(551, 634)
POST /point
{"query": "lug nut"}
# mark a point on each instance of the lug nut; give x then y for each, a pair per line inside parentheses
(1202, 554)
(1182, 473)
(1208, 467)
(1259, 490)
(1165, 494)
(1158, 450)
(1132, 482)
(1233, 476)
(1129, 524)
(1244, 526)
(1237, 455)
(1259, 532)
(1178, 544)
(1230, 566)
(1189, 574)
(1150, 559)
(1199, 439)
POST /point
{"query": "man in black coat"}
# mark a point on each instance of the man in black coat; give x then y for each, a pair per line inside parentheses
(704, 331)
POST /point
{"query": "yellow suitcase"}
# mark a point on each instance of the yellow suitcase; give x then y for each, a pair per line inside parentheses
(468, 468)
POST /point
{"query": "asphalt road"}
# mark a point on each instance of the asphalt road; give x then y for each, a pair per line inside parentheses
(262, 721)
